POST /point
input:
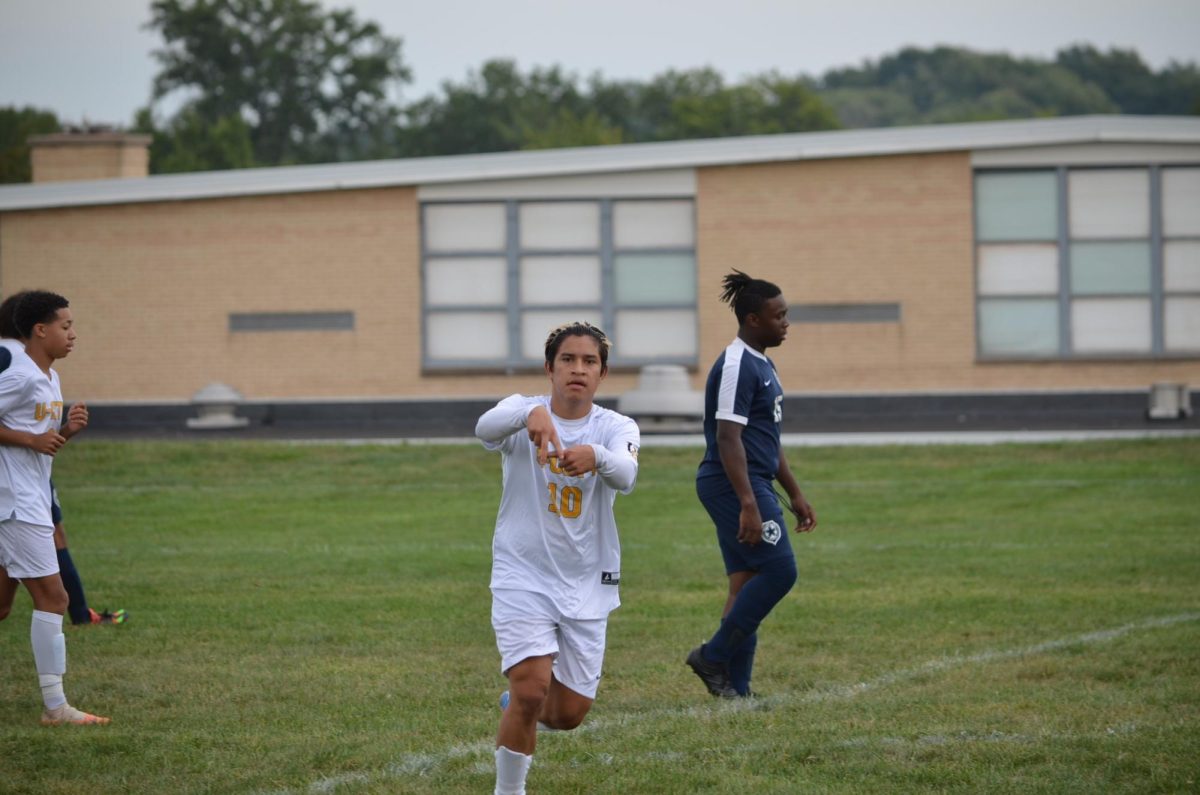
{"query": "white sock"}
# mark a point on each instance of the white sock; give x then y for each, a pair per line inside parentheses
(49, 656)
(511, 769)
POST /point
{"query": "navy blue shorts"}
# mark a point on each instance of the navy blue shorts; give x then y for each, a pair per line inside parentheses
(55, 508)
(719, 499)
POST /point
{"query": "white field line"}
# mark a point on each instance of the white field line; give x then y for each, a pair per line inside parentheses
(418, 764)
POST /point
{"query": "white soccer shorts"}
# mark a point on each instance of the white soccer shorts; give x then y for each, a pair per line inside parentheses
(528, 625)
(27, 550)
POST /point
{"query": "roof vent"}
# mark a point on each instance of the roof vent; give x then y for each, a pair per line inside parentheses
(1169, 402)
(216, 404)
(664, 402)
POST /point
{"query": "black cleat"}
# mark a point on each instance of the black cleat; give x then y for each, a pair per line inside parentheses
(715, 676)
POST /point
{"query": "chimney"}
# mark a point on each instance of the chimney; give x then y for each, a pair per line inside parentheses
(102, 154)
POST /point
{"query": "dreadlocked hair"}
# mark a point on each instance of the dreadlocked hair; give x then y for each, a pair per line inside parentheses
(577, 328)
(745, 294)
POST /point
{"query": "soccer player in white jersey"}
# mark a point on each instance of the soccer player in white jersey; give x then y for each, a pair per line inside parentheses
(556, 558)
(31, 401)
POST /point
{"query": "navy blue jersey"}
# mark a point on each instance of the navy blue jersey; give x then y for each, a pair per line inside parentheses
(743, 387)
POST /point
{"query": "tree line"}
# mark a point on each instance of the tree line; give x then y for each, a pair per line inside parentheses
(281, 82)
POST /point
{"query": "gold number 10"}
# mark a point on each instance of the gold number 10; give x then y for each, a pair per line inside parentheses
(566, 502)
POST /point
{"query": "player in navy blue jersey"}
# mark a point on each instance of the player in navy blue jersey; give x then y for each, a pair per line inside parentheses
(743, 409)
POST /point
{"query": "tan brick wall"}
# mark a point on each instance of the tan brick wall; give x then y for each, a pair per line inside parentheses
(883, 229)
(152, 285)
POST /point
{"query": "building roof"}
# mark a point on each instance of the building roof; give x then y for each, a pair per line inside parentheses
(1071, 130)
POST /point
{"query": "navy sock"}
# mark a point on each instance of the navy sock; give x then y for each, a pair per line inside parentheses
(741, 665)
(78, 606)
(752, 605)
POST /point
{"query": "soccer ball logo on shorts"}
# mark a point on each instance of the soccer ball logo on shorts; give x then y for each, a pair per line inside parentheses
(771, 532)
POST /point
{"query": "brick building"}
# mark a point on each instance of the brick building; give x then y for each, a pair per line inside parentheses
(1026, 261)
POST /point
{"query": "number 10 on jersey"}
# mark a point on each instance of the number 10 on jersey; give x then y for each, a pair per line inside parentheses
(566, 501)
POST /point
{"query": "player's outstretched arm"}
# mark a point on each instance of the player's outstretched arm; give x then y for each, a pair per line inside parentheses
(615, 462)
(515, 413)
(502, 420)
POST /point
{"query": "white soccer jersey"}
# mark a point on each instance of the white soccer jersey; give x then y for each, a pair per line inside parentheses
(556, 534)
(30, 400)
(14, 346)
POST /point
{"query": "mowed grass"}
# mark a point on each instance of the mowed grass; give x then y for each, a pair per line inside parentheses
(1008, 618)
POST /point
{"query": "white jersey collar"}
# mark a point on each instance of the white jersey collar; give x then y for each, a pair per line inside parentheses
(742, 343)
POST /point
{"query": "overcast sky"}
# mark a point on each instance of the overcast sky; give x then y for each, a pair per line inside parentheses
(90, 59)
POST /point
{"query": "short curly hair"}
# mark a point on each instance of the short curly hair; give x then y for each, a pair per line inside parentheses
(34, 307)
(577, 328)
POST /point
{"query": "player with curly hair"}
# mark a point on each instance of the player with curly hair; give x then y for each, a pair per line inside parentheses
(556, 557)
(31, 402)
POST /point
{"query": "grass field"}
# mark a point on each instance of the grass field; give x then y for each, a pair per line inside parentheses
(1019, 619)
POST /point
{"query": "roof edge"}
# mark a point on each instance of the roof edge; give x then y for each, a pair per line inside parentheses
(412, 172)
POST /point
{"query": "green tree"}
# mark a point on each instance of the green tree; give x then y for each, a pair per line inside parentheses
(307, 84)
(16, 125)
(945, 84)
(1124, 76)
(192, 143)
(497, 109)
(570, 129)
(761, 106)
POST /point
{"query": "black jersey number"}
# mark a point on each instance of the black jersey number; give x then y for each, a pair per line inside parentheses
(566, 501)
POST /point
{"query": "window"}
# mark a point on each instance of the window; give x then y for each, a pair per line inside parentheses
(498, 275)
(1088, 262)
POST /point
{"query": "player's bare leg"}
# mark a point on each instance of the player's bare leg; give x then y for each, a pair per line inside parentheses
(528, 686)
(8, 593)
(47, 593)
(528, 683)
(563, 709)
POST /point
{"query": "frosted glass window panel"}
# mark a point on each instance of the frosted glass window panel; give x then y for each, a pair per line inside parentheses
(465, 227)
(467, 336)
(1181, 266)
(1016, 269)
(1111, 325)
(1109, 203)
(536, 326)
(560, 280)
(650, 224)
(1181, 326)
(655, 333)
(1181, 202)
(560, 225)
(1020, 327)
(465, 282)
(1017, 206)
(655, 279)
(1110, 268)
